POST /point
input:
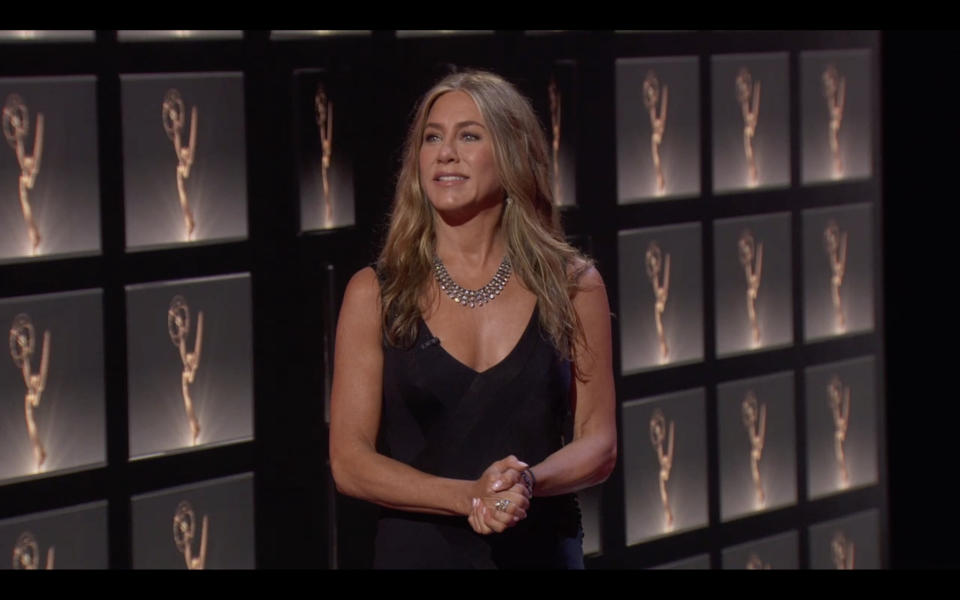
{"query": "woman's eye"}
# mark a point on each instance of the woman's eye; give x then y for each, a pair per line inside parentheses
(470, 137)
(431, 138)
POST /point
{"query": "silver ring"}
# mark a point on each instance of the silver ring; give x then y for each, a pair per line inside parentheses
(501, 504)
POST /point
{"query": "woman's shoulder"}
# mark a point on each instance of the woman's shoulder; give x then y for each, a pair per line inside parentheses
(363, 289)
(583, 272)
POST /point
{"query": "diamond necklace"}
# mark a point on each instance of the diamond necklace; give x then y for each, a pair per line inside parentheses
(472, 298)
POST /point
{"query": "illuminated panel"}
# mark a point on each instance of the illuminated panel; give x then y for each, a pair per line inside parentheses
(837, 271)
(754, 299)
(299, 34)
(661, 315)
(665, 465)
(757, 445)
(592, 515)
(658, 128)
(51, 384)
(426, 33)
(69, 538)
(848, 543)
(49, 175)
(46, 35)
(775, 552)
(751, 126)
(325, 138)
(184, 158)
(694, 563)
(841, 408)
(200, 526)
(189, 352)
(172, 35)
(836, 115)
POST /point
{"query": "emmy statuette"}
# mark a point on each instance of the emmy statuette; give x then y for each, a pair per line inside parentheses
(653, 95)
(842, 551)
(755, 420)
(26, 553)
(751, 259)
(661, 289)
(658, 434)
(324, 111)
(835, 91)
(178, 325)
(748, 95)
(173, 114)
(838, 396)
(754, 563)
(835, 243)
(184, 532)
(553, 92)
(16, 127)
(22, 347)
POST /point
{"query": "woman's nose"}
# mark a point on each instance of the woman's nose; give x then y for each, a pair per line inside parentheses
(447, 152)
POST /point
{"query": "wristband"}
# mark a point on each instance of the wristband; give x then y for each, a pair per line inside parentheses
(529, 480)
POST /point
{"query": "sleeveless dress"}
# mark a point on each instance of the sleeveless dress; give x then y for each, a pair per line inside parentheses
(442, 417)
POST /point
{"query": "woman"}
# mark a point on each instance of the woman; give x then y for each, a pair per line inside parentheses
(480, 339)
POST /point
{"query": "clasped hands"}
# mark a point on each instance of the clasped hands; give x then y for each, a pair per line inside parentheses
(500, 497)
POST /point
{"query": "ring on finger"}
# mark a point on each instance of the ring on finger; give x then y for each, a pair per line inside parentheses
(501, 504)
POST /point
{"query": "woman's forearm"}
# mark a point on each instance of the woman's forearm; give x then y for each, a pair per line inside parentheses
(582, 463)
(373, 477)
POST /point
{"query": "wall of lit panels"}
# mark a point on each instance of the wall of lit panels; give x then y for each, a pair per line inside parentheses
(187, 385)
(749, 286)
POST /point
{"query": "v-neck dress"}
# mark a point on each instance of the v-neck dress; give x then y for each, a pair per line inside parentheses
(444, 418)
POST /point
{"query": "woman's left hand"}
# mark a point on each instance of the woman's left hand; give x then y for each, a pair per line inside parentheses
(498, 512)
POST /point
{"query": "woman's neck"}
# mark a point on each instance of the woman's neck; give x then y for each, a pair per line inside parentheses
(474, 244)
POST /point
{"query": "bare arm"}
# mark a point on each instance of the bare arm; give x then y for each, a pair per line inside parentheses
(37, 147)
(45, 363)
(762, 433)
(663, 111)
(666, 278)
(590, 457)
(193, 137)
(756, 102)
(355, 407)
(759, 272)
(198, 342)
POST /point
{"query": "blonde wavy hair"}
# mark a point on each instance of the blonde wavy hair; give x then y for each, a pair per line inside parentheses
(541, 257)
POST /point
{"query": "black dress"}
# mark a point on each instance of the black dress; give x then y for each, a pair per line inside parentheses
(442, 417)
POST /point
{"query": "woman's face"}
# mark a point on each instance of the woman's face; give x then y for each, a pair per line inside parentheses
(458, 172)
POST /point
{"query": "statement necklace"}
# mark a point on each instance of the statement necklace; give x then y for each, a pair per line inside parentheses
(472, 298)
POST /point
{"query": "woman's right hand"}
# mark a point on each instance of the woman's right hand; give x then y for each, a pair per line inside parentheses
(501, 499)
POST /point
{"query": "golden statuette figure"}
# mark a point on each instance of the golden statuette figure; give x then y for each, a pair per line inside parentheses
(661, 289)
(178, 325)
(324, 109)
(23, 342)
(653, 95)
(16, 127)
(835, 91)
(751, 258)
(838, 396)
(835, 243)
(755, 563)
(173, 115)
(755, 420)
(26, 553)
(658, 434)
(184, 532)
(842, 551)
(748, 95)
(553, 92)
